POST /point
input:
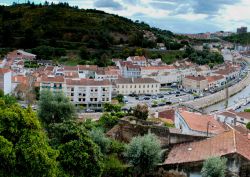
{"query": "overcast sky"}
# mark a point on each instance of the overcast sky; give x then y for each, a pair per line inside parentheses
(180, 16)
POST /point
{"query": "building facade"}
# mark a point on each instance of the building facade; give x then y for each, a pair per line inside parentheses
(88, 93)
(128, 86)
(5, 80)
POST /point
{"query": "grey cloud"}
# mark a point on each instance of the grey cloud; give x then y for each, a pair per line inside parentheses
(108, 4)
(209, 7)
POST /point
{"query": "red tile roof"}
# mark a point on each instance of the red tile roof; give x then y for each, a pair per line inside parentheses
(20, 79)
(199, 122)
(52, 79)
(223, 144)
(4, 70)
(87, 82)
(167, 114)
(214, 78)
(197, 78)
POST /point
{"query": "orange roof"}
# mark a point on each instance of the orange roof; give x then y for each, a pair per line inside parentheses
(70, 68)
(223, 144)
(71, 74)
(138, 58)
(52, 79)
(87, 82)
(20, 79)
(214, 78)
(87, 67)
(197, 78)
(4, 70)
(199, 122)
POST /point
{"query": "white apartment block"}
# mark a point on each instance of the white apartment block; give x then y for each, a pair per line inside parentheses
(5, 80)
(88, 93)
(128, 86)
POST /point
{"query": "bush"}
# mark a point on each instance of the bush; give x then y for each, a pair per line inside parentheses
(144, 153)
(214, 167)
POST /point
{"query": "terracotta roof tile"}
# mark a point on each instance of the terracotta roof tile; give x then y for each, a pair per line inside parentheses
(135, 81)
(199, 122)
(197, 78)
(223, 144)
(4, 70)
(87, 82)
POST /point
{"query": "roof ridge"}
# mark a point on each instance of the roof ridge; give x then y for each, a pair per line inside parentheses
(234, 139)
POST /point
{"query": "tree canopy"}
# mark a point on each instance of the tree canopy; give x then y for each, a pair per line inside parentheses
(54, 107)
(214, 167)
(25, 150)
(144, 153)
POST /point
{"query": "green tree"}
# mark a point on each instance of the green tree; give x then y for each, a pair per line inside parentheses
(24, 146)
(141, 111)
(248, 126)
(144, 153)
(84, 54)
(55, 108)
(107, 121)
(214, 167)
(119, 97)
(1, 93)
(112, 107)
(79, 155)
(98, 136)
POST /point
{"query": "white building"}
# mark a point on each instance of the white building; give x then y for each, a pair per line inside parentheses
(126, 86)
(89, 93)
(234, 118)
(138, 60)
(129, 70)
(5, 80)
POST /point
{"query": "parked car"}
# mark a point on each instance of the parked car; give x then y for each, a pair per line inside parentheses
(147, 94)
(160, 96)
(168, 103)
(147, 98)
(161, 104)
(154, 97)
(89, 110)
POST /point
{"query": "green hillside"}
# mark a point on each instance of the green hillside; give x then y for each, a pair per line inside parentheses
(243, 39)
(61, 26)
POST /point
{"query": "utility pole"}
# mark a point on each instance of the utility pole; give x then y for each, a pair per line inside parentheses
(227, 95)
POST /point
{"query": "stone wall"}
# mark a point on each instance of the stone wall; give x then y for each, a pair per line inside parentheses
(127, 129)
(218, 96)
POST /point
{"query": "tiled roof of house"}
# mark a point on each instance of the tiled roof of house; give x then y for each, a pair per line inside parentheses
(71, 74)
(136, 81)
(138, 58)
(70, 68)
(52, 79)
(196, 78)
(4, 70)
(214, 78)
(87, 82)
(167, 114)
(199, 122)
(223, 144)
(245, 115)
(20, 79)
(87, 67)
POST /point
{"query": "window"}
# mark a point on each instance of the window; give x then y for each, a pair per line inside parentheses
(95, 99)
(91, 99)
(72, 94)
(72, 89)
(80, 94)
(148, 86)
(152, 85)
(79, 99)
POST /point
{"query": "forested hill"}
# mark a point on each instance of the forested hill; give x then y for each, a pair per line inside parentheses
(243, 39)
(59, 25)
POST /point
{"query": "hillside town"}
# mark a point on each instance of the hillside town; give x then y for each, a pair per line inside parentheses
(85, 92)
(165, 89)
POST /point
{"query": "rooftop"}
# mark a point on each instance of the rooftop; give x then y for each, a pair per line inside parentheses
(196, 78)
(199, 122)
(136, 81)
(87, 82)
(223, 144)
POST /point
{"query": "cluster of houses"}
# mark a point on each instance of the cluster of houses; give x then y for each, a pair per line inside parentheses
(135, 75)
(225, 135)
